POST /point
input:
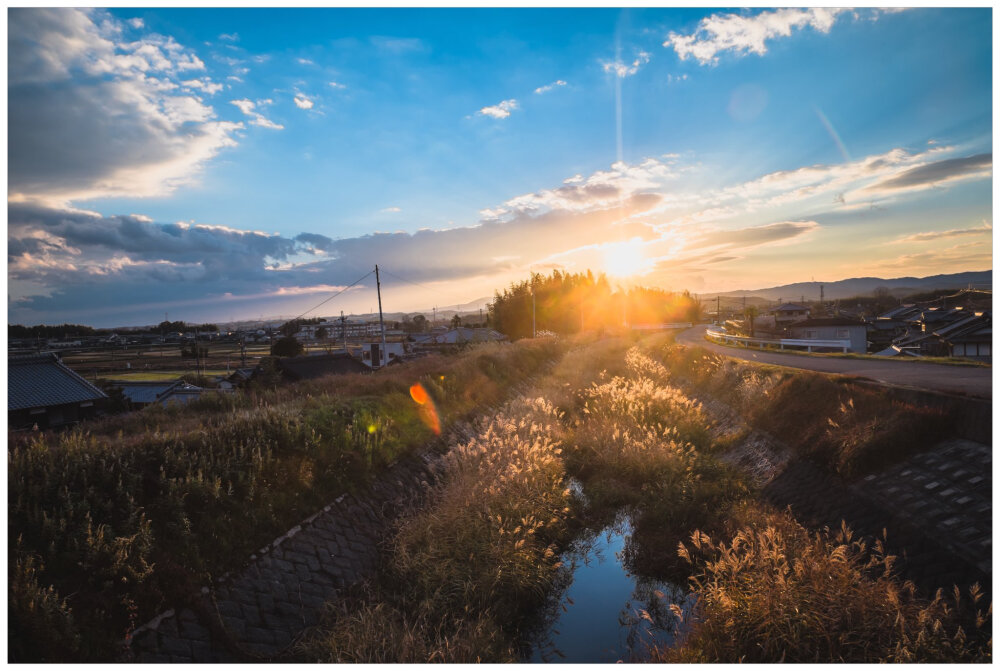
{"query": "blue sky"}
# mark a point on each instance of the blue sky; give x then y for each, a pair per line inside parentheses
(232, 163)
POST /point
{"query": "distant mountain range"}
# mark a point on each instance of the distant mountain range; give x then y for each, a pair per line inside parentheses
(861, 286)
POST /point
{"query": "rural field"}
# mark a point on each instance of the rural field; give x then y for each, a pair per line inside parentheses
(560, 468)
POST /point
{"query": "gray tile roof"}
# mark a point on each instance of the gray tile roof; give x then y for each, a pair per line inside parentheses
(42, 380)
(158, 392)
(145, 392)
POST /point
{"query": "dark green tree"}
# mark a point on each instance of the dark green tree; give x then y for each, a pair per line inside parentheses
(287, 346)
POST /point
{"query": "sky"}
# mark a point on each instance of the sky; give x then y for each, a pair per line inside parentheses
(227, 164)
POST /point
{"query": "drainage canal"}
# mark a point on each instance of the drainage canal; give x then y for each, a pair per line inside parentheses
(605, 613)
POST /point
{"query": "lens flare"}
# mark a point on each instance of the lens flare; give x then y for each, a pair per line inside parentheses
(428, 412)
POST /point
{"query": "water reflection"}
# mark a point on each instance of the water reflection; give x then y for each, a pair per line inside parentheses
(605, 613)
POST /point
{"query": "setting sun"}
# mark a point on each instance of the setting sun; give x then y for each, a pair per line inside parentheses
(624, 259)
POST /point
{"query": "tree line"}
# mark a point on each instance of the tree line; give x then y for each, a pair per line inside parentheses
(575, 302)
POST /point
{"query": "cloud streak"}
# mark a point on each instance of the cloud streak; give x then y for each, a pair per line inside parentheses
(938, 173)
(550, 87)
(985, 229)
(249, 108)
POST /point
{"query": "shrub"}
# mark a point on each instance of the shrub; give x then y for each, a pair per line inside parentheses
(778, 593)
(287, 346)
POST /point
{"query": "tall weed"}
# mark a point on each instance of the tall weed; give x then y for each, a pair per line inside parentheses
(778, 593)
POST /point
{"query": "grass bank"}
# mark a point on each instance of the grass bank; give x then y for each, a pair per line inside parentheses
(464, 575)
(119, 519)
(848, 428)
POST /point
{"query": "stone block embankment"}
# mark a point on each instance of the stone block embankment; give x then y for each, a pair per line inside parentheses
(258, 613)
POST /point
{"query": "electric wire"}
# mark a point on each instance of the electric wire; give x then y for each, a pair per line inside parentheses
(330, 298)
(422, 286)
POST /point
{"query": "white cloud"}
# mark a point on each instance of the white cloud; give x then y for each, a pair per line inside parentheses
(303, 102)
(101, 116)
(390, 209)
(206, 85)
(304, 61)
(230, 37)
(501, 110)
(604, 188)
(622, 69)
(549, 87)
(337, 85)
(249, 108)
(136, 22)
(747, 34)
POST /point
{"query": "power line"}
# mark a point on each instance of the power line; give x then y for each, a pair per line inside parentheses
(327, 300)
(422, 286)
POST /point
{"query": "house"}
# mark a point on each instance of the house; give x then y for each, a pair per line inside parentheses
(316, 366)
(43, 391)
(237, 378)
(832, 328)
(970, 337)
(788, 313)
(141, 394)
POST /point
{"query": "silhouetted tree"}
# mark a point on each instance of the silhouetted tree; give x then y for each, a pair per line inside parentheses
(287, 346)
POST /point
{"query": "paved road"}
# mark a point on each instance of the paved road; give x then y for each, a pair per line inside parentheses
(970, 380)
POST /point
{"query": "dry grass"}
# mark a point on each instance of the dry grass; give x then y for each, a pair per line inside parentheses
(778, 593)
(139, 510)
(848, 428)
(465, 569)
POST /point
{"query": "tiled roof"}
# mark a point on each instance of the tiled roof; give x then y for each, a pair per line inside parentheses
(42, 380)
(145, 392)
(827, 321)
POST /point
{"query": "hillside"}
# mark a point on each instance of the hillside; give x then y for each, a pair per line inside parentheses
(857, 286)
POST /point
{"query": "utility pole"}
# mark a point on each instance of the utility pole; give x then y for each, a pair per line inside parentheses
(343, 330)
(532, 308)
(383, 356)
(718, 309)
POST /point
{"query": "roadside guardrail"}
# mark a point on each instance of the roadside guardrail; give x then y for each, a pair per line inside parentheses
(780, 343)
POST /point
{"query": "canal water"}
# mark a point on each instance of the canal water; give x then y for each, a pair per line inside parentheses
(607, 614)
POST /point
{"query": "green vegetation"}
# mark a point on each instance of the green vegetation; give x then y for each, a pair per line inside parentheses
(162, 375)
(19, 332)
(287, 346)
(118, 520)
